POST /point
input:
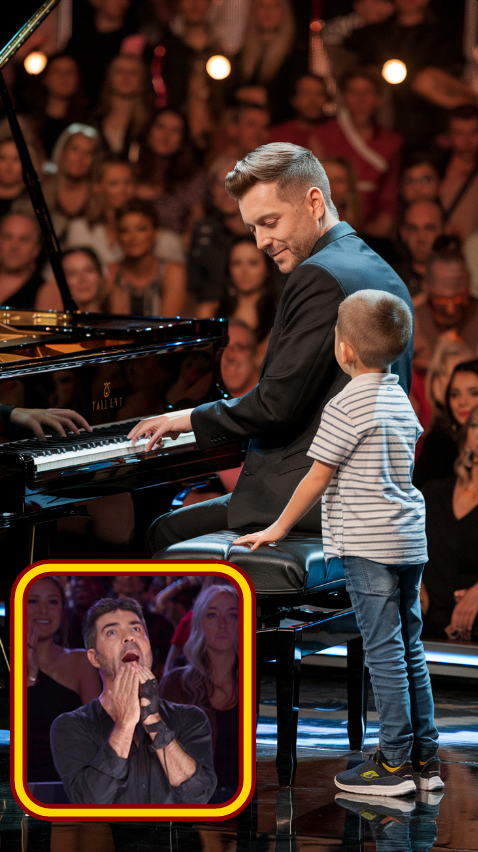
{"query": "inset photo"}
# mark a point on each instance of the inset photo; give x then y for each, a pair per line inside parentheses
(133, 690)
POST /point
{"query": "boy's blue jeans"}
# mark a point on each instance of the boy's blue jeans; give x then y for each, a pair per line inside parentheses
(386, 600)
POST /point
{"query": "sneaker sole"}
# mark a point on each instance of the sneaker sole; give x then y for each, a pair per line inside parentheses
(401, 789)
(434, 783)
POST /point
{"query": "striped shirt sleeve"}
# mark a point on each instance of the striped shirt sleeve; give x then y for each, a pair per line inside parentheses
(336, 437)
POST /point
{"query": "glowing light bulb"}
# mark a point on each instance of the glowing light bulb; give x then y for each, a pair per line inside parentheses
(394, 71)
(35, 62)
(218, 67)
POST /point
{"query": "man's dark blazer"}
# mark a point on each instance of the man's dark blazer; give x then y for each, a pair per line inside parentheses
(299, 375)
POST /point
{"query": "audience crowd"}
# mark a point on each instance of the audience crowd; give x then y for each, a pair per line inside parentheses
(133, 139)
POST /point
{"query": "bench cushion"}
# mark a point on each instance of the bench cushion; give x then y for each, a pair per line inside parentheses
(295, 564)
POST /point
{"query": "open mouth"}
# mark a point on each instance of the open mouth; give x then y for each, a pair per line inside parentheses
(130, 657)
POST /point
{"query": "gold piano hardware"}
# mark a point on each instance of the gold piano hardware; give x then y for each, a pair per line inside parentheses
(106, 391)
(43, 318)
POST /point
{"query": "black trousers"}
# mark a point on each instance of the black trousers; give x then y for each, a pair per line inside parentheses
(182, 524)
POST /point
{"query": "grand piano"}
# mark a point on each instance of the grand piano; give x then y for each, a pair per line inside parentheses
(114, 370)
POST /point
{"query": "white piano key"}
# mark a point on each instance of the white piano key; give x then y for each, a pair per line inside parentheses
(90, 455)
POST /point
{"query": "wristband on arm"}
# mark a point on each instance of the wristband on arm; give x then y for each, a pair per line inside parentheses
(164, 735)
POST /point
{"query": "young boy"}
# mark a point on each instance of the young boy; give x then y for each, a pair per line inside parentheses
(373, 519)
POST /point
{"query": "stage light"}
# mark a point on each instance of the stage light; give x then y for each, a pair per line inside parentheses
(218, 67)
(316, 26)
(35, 62)
(394, 71)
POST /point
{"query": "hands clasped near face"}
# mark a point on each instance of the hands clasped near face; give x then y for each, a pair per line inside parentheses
(126, 702)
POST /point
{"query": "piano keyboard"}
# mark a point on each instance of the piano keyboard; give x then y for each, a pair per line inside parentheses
(105, 442)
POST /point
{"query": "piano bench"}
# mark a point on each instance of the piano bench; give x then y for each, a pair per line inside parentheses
(302, 608)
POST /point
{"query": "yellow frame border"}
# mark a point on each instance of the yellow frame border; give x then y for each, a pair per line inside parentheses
(150, 812)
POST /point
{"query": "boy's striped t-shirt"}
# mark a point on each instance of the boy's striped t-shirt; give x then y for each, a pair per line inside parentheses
(371, 508)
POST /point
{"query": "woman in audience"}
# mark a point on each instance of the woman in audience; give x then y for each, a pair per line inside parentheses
(270, 56)
(210, 680)
(250, 293)
(58, 679)
(212, 239)
(140, 284)
(168, 174)
(450, 580)
(440, 448)
(343, 189)
(12, 186)
(125, 105)
(58, 99)
(67, 192)
(84, 278)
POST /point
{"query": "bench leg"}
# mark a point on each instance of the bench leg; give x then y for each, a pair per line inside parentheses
(288, 658)
(357, 693)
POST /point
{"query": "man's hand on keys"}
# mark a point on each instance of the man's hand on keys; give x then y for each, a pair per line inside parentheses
(165, 426)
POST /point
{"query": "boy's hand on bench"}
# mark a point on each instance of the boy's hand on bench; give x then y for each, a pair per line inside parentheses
(268, 536)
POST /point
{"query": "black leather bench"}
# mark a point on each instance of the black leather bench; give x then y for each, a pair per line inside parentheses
(302, 608)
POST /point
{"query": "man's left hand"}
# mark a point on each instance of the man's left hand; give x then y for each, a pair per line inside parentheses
(59, 420)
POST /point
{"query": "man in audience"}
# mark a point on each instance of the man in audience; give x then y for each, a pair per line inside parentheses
(239, 368)
(337, 29)
(420, 179)
(248, 129)
(308, 101)
(422, 224)
(459, 187)
(449, 307)
(373, 150)
(172, 761)
(11, 177)
(20, 247)
(84, 591)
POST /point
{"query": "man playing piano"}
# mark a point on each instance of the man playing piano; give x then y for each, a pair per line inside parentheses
(128, 746)
(60, 420)
(284, 198)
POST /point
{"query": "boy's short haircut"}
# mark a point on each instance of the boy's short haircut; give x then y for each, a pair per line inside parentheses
(377, 325)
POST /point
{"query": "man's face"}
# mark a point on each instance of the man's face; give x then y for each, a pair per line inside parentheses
(421, 226)
(86, 590)
(362, 99)
(309, 99)
(238, 366)
(374, 11)
(287, 232)
(407, 6)
(448, 292)
(121, 638)
(131, 587)
(463, 134)
(252, 129)
(19, 244)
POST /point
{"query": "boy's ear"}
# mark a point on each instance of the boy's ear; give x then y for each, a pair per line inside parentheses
(93, 658)
(346, 353)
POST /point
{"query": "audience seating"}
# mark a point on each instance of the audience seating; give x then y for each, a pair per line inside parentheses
(302, 608)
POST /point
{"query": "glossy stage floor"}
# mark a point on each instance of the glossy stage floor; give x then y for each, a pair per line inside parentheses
(312, 816)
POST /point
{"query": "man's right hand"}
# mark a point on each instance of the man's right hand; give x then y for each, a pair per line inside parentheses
(165, 426)
(125, 708)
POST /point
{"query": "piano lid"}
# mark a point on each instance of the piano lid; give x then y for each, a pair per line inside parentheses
(19, 20)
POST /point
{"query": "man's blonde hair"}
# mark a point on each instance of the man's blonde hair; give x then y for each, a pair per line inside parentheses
(377, 325)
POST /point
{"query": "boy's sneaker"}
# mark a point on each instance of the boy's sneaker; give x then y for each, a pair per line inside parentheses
(375, 777)
(427, 775)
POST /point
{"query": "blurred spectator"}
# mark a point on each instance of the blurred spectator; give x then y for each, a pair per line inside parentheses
(140, 284)
(84, 278)
(337, 29)
(343, 190)
(57, 99)
(450, 580)
(11, 176)
(459, 186)
(272, 56)
(210, 679)
(83, 592)
(185, 52)
(420, 179)
(246, 127)
(448, 307)
(452, 390)
(470, 251)
(20, 248)
(125, 105)
(212, 238)
(175, 600)
(249, 293)
(239, 360)
(373, 150)
(422, 224)
(160, 630)
(433, 63)
(67, 191)
(168, 174)
(308, 100)
(99, 27)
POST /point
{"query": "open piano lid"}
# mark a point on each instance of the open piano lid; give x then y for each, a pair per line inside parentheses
(19, 19)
